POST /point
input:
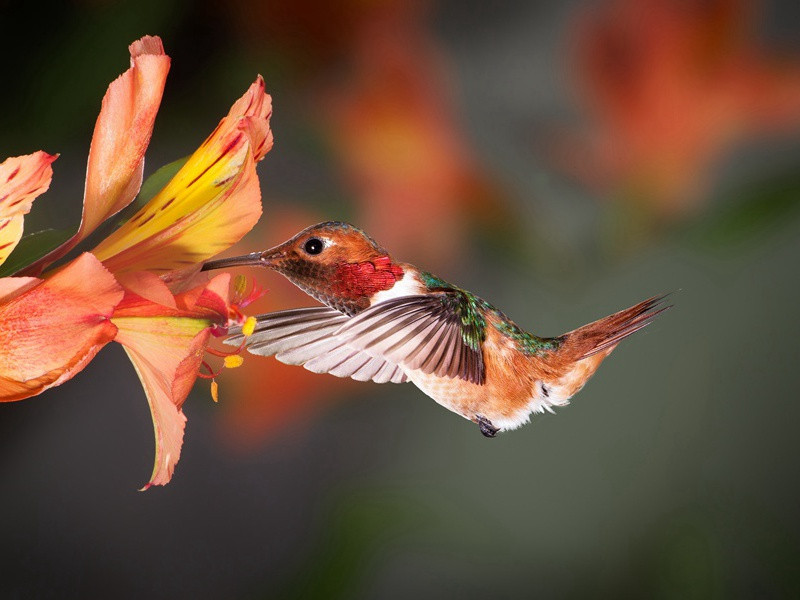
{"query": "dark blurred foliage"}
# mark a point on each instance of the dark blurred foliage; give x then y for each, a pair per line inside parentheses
(561, 159)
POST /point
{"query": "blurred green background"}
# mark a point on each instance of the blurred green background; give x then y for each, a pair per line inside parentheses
(563, 160)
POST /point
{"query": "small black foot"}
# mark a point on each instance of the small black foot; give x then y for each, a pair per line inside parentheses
(486, 426)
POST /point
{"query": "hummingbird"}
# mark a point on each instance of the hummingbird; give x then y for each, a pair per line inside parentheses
(388, 321)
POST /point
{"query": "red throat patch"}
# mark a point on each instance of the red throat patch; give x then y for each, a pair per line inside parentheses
(358, 280)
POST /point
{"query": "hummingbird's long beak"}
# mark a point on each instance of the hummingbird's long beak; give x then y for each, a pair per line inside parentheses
(263, 259)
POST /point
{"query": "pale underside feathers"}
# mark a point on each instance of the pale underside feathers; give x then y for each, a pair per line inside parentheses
(379, 344)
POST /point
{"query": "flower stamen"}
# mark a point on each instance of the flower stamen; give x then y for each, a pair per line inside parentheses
(234, 361)
(223, 354)
(211, 373)
(214, 390)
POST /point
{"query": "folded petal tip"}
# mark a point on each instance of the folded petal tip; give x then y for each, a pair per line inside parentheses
(148, 44)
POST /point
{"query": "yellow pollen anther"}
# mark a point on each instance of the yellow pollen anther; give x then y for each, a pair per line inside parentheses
(233, 361)
(214, 391)
(249, 326)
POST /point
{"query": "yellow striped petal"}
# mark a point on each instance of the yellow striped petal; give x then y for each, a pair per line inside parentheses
(210, 204)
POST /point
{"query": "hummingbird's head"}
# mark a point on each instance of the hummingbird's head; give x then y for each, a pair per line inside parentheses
(336, 263)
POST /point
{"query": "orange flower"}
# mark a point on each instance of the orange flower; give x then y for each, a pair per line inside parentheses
(210, 204)
(670, 87)
(129, 289)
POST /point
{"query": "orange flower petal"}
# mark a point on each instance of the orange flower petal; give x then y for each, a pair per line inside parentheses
(166, 347)
(121, 136)
(157, 350)
(210, 204)
(50, 331)
(149, 286)
(207, 301)
(22, 179)
(256, 106)
(14, 286)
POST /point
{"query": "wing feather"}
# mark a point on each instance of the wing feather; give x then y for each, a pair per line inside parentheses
(307, 336)
(424, 332)
(418, 333)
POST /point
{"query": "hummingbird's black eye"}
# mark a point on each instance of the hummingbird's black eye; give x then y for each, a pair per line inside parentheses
(313, 246)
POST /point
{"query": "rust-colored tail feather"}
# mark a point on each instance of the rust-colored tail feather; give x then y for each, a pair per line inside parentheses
(606, 333)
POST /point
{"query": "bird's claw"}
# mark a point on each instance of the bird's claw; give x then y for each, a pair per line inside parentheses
(486, 426)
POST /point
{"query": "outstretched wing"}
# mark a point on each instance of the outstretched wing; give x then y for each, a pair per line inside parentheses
(440, 333)
(307, 336)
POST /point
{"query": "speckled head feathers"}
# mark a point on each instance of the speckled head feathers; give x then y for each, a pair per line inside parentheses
(341, 242)
(336, 263)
